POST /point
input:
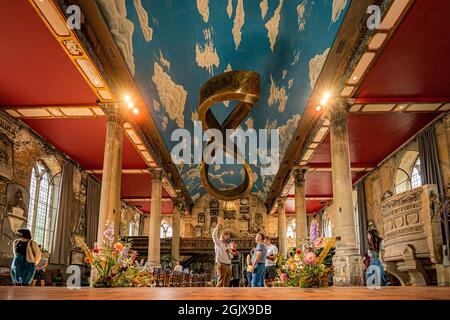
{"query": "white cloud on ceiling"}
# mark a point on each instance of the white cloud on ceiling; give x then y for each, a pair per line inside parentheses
(228, 68)
(121, 28)
(194, 116)
(172, 95)
(143, 20)
(156, 105)
(273, 24)
(264, 5)
(286, 132)
(203, 9)
(163, 61)
(277, 95)
(296, 58)
(301, 9)
(239, 21)
(316, 65)
(206, 56)
(249, 123)
(290, 83)
(338, 7)
(230, 8)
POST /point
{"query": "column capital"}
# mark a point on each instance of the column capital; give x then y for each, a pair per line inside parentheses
(281, 201)
(114, 113)
(156, 174)
(299, 175)
(178, 203)
(338, 110)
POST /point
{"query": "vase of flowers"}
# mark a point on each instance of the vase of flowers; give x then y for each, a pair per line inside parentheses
(302, 268)
(114, 264)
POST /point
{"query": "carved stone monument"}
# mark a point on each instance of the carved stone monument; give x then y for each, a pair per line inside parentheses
(412, 236)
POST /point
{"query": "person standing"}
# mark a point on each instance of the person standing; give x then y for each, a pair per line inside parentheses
(235, 266)
(26, 256)
(39, 276)
(223, 255)
(372, 259)
(178, 267)
(271, 263)
(259, 261)
(248, 269)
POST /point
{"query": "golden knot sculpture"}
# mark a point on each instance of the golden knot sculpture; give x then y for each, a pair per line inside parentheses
(243, 86)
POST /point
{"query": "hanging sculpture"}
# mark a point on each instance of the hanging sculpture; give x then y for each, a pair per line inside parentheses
(243, 86)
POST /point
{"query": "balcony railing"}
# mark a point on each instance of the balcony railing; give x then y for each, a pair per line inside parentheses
(188, 245)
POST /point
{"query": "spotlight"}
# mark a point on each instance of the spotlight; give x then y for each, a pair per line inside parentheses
(318, 108)
(325, 99)
(127, 99)
(130, 105)
(135, 110)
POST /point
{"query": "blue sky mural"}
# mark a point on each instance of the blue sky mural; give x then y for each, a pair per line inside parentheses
(173, 46)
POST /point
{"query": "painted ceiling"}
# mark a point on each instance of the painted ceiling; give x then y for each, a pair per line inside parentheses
(173, 46)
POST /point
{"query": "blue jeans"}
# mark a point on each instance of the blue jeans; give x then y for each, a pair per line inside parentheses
(258, 275)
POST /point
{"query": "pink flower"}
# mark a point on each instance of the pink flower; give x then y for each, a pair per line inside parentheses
(310, 258)
(284, 276)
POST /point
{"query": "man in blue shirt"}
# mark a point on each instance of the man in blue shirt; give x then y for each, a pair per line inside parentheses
(258, 261)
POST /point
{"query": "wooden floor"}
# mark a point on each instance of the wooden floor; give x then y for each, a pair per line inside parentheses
(334, 293)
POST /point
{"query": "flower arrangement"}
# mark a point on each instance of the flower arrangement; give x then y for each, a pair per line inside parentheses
(302, 268)
(114, 265)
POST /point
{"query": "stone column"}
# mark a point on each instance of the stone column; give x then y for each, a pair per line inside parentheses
(177, 204)
(154, 237)
(282, 242)
(110, 207)
(301, 223)
(347, 261)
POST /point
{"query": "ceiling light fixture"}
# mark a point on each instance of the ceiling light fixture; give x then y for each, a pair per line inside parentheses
(130, 105)
(135, 110)
(318, 108)
(325, 99)
(127, 99)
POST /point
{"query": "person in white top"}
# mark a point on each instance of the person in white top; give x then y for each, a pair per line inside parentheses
(223, 255)
(178, 267)
(271, 263)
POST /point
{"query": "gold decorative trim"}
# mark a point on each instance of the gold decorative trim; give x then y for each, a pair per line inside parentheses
(74, 49)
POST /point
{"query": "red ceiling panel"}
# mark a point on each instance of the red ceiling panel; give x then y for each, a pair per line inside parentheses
(414, 65)
(144, 206)
(84, 141)
(34, 69)
(372, 137)
(312, 206)
(138, 186)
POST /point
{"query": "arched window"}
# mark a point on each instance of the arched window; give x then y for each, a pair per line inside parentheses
(43, 205)
(416, 179)
(133, 228)
(291, 230)
(408, 173)
(166, 230)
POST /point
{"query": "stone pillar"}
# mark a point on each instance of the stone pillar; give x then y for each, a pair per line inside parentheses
(177, 204)
(154, 237)
(301, 223)
(110, 206)
(347, 261)
(282, 242)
